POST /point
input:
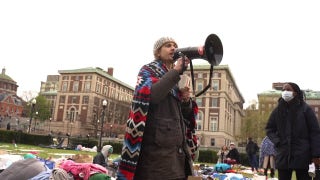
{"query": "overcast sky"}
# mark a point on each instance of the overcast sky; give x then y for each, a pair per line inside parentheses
(264, 41)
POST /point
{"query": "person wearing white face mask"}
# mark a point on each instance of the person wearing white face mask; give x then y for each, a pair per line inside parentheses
(294, 130)
(287, 95)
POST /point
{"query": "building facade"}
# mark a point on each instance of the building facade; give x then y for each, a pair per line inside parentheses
(76, 97)
(11, 106)
(220, 107)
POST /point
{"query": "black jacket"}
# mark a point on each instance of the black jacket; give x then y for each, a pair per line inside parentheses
(164, 151)
(295, 132)
(100, 159)
(234, 154)
(252, 148)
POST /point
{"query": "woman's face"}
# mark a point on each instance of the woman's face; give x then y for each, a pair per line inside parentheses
(288, 87)
(224, 147)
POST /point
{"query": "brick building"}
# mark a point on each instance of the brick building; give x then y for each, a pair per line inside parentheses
(76, 97)
(220, 107)
(11, 106)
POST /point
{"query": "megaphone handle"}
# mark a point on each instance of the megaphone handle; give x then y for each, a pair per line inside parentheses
(192, 78)
(183, 66)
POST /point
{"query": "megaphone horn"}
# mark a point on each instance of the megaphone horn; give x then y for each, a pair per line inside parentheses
(212, 51)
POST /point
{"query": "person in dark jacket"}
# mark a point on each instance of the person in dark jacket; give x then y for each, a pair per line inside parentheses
(252, 149)
(102, 157)
(294, 130)
(233, 157)
(160, 138)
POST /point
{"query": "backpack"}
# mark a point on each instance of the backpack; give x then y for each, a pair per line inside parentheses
(222, 167)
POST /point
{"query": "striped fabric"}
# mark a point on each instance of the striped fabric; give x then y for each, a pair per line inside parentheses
(148, 75)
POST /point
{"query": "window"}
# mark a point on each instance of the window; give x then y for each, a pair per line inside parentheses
(64, 86)
(87, 86)
(215, 84)
(213, 142)
(85, 100)
(117, 95)
(105, 90)
(62, 99)
(199, 120)
(213, 123)
(199, 85)
(72, 115)
(214, 102)
(199, 101)
(74, 99)
(112, 92)
(75, 86)
(98, 88)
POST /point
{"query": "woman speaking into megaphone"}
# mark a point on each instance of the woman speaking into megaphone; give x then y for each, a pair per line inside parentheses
(160, 136)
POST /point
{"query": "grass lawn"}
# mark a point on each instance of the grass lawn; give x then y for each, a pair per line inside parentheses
(44, 153)
(55, 153)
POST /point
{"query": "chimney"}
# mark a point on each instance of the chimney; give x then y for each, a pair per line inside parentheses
(110, 71)
(277, 85)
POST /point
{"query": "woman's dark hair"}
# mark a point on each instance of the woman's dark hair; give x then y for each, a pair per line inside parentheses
(296, 88)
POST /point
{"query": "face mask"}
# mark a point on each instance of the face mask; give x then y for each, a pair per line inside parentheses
(287, 95)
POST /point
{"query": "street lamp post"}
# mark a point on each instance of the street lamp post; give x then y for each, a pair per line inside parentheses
(17, 122)
(35, 122)
(49, 125)
(68, 134)
(110, 130)
(68, 122)
(88, 136)
(33, 103)
(71, 124)
(104, 105)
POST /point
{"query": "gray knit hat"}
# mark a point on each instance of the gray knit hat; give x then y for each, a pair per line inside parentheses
(160, 42)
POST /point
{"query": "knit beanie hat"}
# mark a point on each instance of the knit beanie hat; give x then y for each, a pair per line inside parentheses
(107, 149)
(160, 42)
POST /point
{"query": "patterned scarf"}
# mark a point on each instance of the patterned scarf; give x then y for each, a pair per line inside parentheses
(192, 139)
(148, 75)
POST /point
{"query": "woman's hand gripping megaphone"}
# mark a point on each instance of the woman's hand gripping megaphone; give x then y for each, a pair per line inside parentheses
(181, 63)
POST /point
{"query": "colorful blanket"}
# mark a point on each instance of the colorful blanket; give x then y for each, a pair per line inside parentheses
(148, 75)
